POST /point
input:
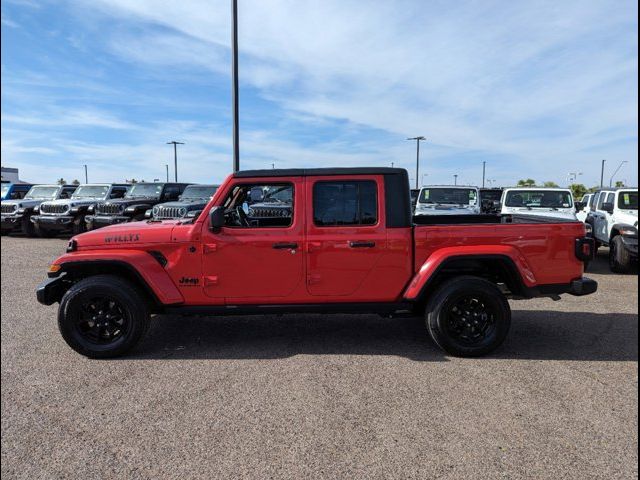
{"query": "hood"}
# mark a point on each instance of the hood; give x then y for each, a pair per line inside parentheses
(568, 213)
(24, 203)
(75, 202)
(127, 202)
(189, 203)
(127, 234)
(436, 209)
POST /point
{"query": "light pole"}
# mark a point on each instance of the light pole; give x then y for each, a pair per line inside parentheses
(175, 155)
(455, 180)
(166, 166)
(234, 85)
(86, 175)
(484, 171)
(418, 140)
(617, 169)
(602, 174)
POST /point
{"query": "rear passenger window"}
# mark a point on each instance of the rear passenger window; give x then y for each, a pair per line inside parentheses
(345, 203)
(601, 198)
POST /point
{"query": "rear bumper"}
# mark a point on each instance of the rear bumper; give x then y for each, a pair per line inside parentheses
(97, 221)
(59, 222)
(578, 287)
(51, 290)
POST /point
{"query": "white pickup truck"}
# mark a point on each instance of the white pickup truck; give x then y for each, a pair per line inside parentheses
(614, 221)
(448, 200)
(538, 201)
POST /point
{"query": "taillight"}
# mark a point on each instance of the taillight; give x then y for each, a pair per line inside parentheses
(585, 249)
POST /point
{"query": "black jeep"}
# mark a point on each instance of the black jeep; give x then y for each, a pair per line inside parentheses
(189, 204)
(69, 215)
(16, 214)
(140, 198)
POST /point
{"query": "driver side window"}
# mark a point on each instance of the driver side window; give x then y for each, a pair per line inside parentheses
(259, 206)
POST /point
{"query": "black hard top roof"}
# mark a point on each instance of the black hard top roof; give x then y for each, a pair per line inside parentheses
(612, 189)
(308, 172)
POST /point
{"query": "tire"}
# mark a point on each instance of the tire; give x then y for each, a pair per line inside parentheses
(27, 227)
(43, 232)
(79, 225)
(468, 333)
(619, 258)
(103, 316)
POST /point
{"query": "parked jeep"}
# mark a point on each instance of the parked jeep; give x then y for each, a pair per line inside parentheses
(16, 214)
(614, 220)
(189, 204)
(132, 208)
(448, 200)
(67, 215)
(539, 202)
(14, 191)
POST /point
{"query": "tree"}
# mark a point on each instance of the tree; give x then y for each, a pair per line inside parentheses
(62, 181)
(620, 184)
(551, 184)
(529, 182)
(594, 189)
(578, 190)
(76, 182)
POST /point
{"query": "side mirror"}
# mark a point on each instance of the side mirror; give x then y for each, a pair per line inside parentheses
(216, 219)
(607, 207)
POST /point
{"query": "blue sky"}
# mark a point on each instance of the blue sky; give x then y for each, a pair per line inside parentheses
(537, 89)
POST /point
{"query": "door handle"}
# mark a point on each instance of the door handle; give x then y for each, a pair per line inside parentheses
(285, 246)
(367, 244)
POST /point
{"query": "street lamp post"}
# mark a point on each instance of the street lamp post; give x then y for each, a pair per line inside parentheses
(418, 140)
(86, 175)
(166, 166)
(602, 174)
(455, 180)
(617, 170)
(234, 85)
(175, 155)
(484, 171)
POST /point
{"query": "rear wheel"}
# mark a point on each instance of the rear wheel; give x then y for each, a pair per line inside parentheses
(27, 227)
(468, 316)
(619, 258)
(103, 316)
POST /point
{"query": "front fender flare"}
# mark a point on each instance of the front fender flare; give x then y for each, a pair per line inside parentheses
(137, 262)
(439, 258)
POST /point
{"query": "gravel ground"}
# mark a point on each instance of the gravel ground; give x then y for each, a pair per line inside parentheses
(307, 396)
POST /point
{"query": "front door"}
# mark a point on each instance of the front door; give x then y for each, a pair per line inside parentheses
(257, 256)
(346, 236)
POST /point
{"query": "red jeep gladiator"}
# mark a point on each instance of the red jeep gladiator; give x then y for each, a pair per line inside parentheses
(339, 240)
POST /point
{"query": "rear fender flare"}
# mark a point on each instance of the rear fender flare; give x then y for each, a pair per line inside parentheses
(146, 269)
(439, 259)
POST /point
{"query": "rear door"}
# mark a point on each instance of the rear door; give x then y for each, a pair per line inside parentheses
(346, 236)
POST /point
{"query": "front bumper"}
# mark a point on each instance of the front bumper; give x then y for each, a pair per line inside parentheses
(59, 222)
(51, 290)
(10, 222)
(97, 221)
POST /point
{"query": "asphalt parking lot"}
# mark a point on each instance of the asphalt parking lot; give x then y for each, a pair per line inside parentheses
(308, 396)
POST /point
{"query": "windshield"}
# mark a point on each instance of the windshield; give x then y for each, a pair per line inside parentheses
(538, 199)
(145, 190)
(199, 191)
(5, 189)
(278, 193)
(490, 194)
(42, 192)
(448, 196)
(91, 191)
(628, 200)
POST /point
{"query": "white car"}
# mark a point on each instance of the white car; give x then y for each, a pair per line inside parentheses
(538, 201)
(448, 200)
(584, 207)
(614, 220)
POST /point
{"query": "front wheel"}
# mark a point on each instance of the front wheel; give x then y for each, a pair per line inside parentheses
(619, 258)
(103, 316)
(468, 316)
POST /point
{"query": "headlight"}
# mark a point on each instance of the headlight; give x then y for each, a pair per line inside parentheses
(182, 211)
(628, 231)
(156, 210)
